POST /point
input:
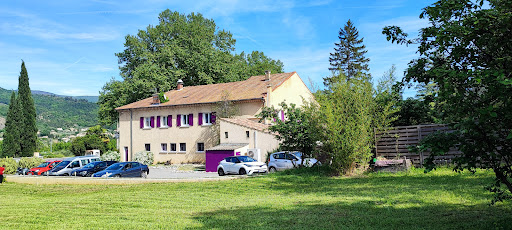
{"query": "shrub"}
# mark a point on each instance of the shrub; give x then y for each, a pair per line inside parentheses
(111, 156)
(10, 165)
(144, 157)
(30, 162)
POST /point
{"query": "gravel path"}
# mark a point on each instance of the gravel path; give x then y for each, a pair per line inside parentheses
(180, 172)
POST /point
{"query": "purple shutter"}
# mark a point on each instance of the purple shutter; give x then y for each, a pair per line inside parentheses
(191, 119)
(169, 120)
(152, 122)
(200, 119)
(141, 122)
(158, 121)
(178, 120)
(213, 118)
(282, 115)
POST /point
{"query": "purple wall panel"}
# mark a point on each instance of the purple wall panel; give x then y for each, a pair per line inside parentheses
(200, 119)
(158, 121)
(213, 157)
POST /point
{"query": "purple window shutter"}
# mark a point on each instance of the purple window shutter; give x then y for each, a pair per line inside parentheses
(152, 122)
(282, 115)
(169, 120)
(191, 119)
(158, 121)
(141, 122)
(200, 119)
(178, 120)
(213, 118)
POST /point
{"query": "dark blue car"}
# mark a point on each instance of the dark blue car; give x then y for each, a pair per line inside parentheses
(92, 168)
(124, 169)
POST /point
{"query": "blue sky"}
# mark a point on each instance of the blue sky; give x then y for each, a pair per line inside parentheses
(69, 46)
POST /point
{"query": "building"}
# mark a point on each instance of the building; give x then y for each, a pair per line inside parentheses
(183, 128)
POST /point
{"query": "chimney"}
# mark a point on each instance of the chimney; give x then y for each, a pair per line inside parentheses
(180, 84)
(267, 75)
(156, 99)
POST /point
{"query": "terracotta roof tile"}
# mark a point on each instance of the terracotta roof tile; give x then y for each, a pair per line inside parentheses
(253, 88)
(248, 124)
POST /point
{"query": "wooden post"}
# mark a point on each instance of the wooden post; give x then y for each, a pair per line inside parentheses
(375, 136)
(421, 152)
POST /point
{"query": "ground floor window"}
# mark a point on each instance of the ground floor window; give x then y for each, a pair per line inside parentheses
(183, 147)
(200, 147)
(173, 147)
(164, 147)
(147, 147)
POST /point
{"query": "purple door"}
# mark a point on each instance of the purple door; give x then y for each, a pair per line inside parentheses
(213, 157)
(125, 153)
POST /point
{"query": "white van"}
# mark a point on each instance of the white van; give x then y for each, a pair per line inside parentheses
(67, 165)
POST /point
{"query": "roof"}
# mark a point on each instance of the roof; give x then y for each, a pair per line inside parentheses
(248, 124)
(228, 146)
(254, 88)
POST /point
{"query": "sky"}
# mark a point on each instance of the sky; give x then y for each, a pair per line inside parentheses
(69, 46)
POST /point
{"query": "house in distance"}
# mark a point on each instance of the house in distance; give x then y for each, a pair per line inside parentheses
(183, 129)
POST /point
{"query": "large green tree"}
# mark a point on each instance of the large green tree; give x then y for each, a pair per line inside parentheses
(28, 110)
(348, 59)
(466, 51)
(12, 134)
(188, 47)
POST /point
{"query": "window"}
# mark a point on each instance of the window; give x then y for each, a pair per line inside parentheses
(163, 121)
(206, 119)
(247, 134)
(185, 120)
(164, 147)
(226, 134)
(183, 147)
(200, 147)
(147, 122)
(147, 147)
(173, 147)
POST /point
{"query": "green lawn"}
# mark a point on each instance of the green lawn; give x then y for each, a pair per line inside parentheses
(438, 200)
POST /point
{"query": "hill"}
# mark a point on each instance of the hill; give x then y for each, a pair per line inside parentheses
(55, 111)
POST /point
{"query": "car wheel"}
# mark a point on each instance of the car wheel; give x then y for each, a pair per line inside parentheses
(117, 176)
(221, 172)
(88, 174)
(272, 170)
(144, 174)
(65, 174)
(242, 171)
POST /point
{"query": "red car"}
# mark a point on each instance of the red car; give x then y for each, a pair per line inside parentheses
(44, 167)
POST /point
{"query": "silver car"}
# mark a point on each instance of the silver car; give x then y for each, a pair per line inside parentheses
(288, 160)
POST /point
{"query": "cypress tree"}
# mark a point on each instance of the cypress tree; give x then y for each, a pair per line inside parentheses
(12, 135)
(28, 109)
(348, 58)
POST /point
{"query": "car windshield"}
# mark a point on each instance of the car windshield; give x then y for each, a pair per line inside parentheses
(43, 165)
(63, 164)
(90, 165)
(298, 154)
(246, 159)
(115, 167)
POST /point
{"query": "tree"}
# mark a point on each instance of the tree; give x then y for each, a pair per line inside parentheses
(466, 52)
(188, 47)
(388, 95)
(258, 63)
(348, 58)
(28, 126)
(12, 135)
(298, 131)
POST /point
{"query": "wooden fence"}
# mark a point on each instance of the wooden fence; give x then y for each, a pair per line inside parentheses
(394, 143)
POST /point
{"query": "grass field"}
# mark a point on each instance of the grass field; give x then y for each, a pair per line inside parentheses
(413, 200)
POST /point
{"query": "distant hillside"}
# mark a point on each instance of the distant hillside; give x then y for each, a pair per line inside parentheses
(92, 99)
(57, 112)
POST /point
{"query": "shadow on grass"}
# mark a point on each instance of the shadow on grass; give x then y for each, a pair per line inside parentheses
(361, 215)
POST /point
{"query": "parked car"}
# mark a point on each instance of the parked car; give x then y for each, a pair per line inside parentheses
(124, 169)
(44, 167)
(67, 165)
(22, 171)
(288, 160)
(240, 165)
(92, 168)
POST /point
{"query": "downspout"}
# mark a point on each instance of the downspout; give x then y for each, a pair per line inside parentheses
(131, 134)
(255, 140)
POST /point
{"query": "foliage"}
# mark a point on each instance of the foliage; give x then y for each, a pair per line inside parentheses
(299, 130)
(144, 157)
(58, 154)
(95, 138)
(225, 108)
(12, 135)
(162, 97)
(387, 100)
(348, 59)
(28, 128)
(466, 52)
(188, 47)
(30, 162)
(111, 156)
(414, 112)
(410, 200)
(347, 114)
(10, 165)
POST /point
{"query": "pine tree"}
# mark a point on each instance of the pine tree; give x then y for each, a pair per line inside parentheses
(348, 58)
(28, 111)
(12, 137)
